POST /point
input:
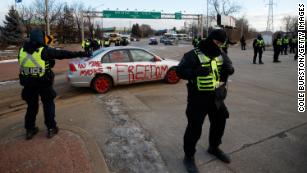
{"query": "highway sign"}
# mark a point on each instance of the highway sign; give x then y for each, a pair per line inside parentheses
(131, 14)
(178, 15)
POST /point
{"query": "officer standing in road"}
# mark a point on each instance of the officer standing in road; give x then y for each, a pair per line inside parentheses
(259, 47)
(285, 42)
(277, 46)
(206, 73)
(86, 45)
(36, 60)
(243, 42)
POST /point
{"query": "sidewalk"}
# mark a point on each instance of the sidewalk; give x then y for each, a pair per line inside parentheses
(72, 150)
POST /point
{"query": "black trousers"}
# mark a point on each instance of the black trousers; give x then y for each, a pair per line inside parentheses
(276, 54)
(196, 114)
(257, 51)
(243, 46)
(31, 96)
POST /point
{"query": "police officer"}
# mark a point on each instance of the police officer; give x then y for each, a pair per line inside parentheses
(205, 71)
(106, 42)
(243, 42)
(86, 45)
(36, 60)
(293, 44)
(285, 42)
(258, 46)
(277, 46)
(225, 46)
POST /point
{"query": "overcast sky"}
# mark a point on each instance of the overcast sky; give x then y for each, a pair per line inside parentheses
(255, 11)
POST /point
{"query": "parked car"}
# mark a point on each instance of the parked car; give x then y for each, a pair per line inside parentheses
(170, 41)
(153, 41)
(112, 66)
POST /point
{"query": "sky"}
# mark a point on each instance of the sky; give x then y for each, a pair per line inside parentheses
(255, 11)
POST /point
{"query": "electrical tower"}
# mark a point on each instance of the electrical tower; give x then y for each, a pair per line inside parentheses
(269, 25)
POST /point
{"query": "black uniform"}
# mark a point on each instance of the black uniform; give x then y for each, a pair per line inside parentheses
(243, 42)
(41, 86)
(201, 103)
(277, 46)
(258, 49)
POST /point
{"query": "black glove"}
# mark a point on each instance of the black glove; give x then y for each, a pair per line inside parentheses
(203, 71)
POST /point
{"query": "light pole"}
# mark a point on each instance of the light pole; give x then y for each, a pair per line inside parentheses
(207, 19)
(47, 18)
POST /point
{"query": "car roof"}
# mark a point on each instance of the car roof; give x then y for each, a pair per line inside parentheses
(108, 49)
(122, 47)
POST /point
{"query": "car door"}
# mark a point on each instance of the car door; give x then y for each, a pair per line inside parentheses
(117, 63)
(145, 65)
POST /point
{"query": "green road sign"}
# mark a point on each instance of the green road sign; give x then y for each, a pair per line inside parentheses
(178, 15)
(131, 14)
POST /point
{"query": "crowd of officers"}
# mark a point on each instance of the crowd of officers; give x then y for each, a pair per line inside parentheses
(92, 44)
(281, 46)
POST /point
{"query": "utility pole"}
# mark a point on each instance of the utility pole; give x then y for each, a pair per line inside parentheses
(47, 18)
(82, 26)
(207, 19)
(269, 26)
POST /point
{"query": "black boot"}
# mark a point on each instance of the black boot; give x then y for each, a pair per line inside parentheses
(31, 132)
(52, 132)
(218, 153)
(189, 163)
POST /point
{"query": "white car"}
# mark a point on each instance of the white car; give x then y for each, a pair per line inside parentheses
(112, 66)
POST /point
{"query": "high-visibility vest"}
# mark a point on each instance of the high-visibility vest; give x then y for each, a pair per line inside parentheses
(260, 43)
(279, 42)
(211, 81)
(32, 64)
(106, 43)
(294, 40)
(285, 41)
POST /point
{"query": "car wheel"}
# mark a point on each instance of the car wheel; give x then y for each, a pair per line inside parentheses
(102, 84)
(171, 76)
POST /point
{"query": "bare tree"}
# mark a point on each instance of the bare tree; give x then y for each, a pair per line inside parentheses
(26, 15)
(224, 7)
(290, 23)
(54, 10)
(78, 7)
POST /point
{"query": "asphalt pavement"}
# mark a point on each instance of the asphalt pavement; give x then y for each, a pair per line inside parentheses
(139, 128)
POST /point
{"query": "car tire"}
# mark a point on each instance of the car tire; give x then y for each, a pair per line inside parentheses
(102, 84)
(171, 76)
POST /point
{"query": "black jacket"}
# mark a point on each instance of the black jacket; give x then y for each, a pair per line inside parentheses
(48, 55)
(187, 68)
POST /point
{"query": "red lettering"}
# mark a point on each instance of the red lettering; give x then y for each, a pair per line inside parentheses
(158, 72)
(139, 73)
(146, 70)
(81, 66)
(91, 72)
(152, 67)
(131, 73)
(95, 63)
(119, 70)
(164, 69)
